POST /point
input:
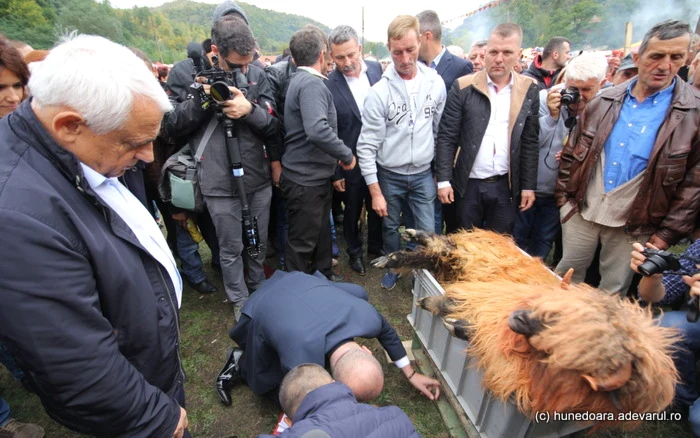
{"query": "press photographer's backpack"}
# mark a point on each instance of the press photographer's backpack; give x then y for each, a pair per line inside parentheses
(179, 181)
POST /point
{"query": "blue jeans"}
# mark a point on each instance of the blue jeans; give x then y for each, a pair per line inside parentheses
(685, 359)
(417, 192)
(191, 261)
(536, 228)
(4, 412)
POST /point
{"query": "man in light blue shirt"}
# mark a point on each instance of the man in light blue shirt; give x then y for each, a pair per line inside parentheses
(630, 143)
(629, 173)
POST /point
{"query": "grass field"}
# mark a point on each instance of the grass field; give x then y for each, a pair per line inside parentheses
(205, 324)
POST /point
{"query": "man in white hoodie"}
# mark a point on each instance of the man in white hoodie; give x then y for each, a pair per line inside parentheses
(397, 143)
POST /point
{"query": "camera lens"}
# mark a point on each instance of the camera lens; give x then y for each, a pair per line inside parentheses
(653, 265)
(220, 92)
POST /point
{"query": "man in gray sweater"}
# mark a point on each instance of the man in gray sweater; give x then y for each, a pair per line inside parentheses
(312, 151)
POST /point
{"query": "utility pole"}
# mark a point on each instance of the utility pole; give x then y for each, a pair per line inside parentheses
(363, 31)
(628, 38)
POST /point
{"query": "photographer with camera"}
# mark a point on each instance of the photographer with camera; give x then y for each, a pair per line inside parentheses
(662, 283)
(229, 114)
(560, 106)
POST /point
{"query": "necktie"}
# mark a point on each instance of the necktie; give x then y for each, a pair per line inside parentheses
(433, 65)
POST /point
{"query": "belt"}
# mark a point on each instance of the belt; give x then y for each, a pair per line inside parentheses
(491, 178)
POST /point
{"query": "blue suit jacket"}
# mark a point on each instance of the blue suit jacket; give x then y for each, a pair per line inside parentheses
(451, 67)
(349, 119)
(296, 318)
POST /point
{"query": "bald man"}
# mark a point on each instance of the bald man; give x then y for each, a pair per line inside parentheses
(297, 318)
(320, 407)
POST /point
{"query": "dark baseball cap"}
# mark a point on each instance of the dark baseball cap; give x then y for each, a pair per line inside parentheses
(626, 63)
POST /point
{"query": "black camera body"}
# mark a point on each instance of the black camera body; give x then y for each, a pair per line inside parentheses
(570, 96)
(220, 80)
(657, 262)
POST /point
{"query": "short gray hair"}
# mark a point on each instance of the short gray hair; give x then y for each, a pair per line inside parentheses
(586, 66)
(430, 22)
(342, 34)
(666, 30)
(480, 43)
(97, 78)
(298, 382)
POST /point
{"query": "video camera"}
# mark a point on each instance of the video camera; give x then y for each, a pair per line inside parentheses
(659, 261)
(220, 80)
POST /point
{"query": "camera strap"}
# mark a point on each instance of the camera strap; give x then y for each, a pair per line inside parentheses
(213, 122)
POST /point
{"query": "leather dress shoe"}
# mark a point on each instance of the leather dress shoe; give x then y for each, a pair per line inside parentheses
(229, 375)
(203, 287)
(357, 265)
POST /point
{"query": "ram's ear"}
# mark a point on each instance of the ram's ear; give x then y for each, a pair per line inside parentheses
(612, 382)
(515, 344)
(523, 322)
(566, 280)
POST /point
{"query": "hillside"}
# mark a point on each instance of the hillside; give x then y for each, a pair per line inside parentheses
(162, 32)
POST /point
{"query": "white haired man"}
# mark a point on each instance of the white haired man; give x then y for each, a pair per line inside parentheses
(82, 258)
(536, 228)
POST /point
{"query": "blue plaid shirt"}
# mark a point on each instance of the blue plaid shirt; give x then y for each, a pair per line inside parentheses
(674, 284)
(629, 145)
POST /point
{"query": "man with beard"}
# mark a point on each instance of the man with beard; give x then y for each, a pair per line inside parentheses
(545, 67)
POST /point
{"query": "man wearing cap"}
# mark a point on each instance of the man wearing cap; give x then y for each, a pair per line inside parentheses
(626, 71)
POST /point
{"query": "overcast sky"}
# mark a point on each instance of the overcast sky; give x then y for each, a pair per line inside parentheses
(378, 13)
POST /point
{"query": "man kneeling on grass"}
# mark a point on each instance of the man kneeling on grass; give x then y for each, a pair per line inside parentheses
(296, 318)
(321, 407)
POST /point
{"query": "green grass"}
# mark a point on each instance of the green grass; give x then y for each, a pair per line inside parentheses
(205, 324)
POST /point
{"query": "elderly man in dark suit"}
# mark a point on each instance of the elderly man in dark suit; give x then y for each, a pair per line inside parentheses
(349, 84)
(297, 318)
(449, 67)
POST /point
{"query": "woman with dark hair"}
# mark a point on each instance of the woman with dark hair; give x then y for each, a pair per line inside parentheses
(14, 76)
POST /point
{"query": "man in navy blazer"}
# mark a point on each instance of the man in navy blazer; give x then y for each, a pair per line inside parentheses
(449, 67)
(349, 84)
(296, 318)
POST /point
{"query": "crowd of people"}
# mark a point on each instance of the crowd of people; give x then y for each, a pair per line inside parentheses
(587, 158)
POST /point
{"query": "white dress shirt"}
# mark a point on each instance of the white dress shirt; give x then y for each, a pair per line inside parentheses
(132, 211)
(493, 158)
(359, 86)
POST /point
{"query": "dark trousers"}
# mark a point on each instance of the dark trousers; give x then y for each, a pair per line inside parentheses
(487, 205)
(357, 194)
(449, 215)
(180, 399)
(536, 228)
(308, 215)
